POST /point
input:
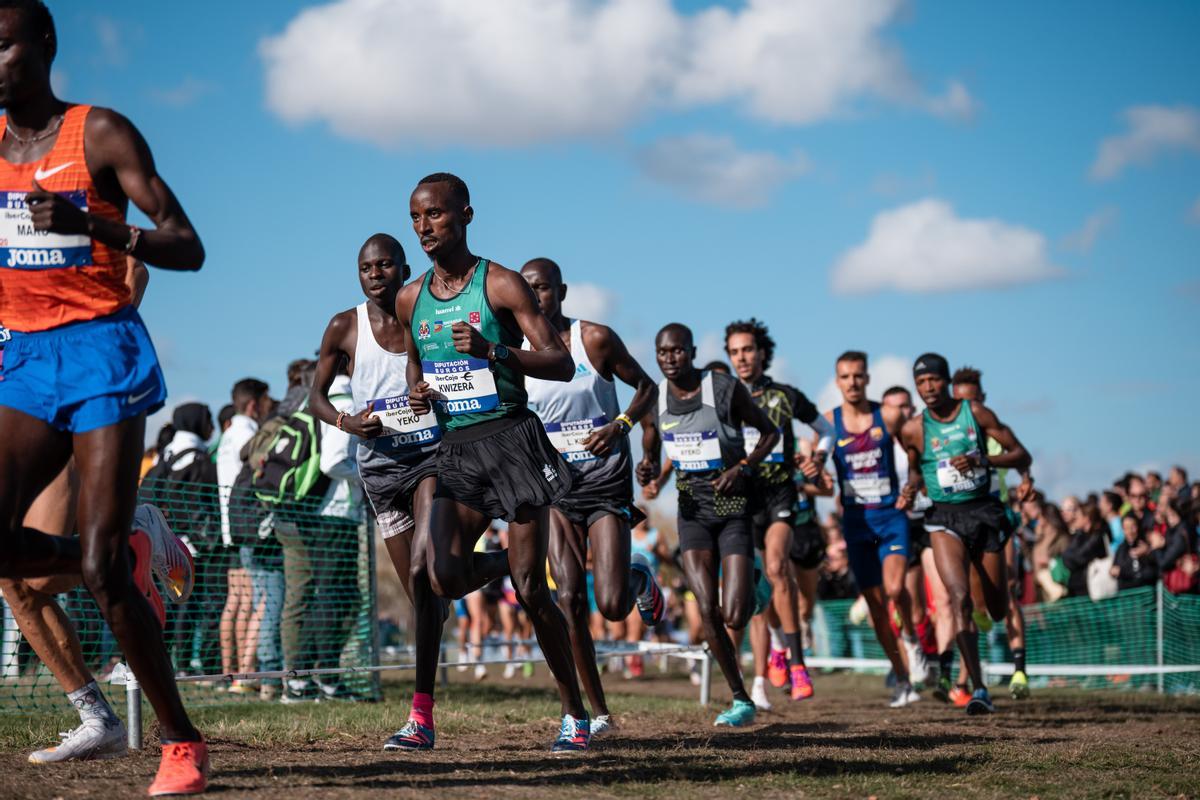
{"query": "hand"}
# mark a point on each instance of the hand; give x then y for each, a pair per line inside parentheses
(54, 213)
(650, 490)
(1140, 549)
(469, 341)
(365, 425)
(810, 468)
(728, 480)
(1156, 540)
(1025, 490)
(647, 471)
(600, 441)
(907, 495)
(420, 399)
(963, 463)
(1115, 571)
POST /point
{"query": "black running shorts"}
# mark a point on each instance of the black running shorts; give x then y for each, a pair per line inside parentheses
(808, 548)
(981, 524)
(771, 503)
(726, 536)
(495, 467)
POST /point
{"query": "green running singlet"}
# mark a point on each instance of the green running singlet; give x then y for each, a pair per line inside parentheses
(944, 441)
(471, 389)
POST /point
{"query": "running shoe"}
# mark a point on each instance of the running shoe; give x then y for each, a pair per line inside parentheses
(462, 661)
(982, 621)
(510, 671)
(980, 703)
(1018, 687)
(171, 560)
(413, 736)
(142, 549)
(300, 691)
(919, 667)
(650, 603)
(602, 724)
(527, 670)
(573, 736)
(637, 667)
(777, 668)
(184, 769)
(480, 672)
(802, 687)
(904, 694)
(738, 715)
(758, 694)
(91, 740)
(243, 687)
(959, 696)
(944, 690)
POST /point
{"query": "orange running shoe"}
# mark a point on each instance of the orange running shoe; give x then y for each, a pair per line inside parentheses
(777, 668)
(183, 770)
(960, 696)
(143, 555)
(802, 687)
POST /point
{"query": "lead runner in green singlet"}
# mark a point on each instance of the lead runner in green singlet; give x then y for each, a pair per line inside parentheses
(467, 318)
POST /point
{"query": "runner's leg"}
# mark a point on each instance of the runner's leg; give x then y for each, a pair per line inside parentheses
(953, 565)
(568, 560)
(700, 567)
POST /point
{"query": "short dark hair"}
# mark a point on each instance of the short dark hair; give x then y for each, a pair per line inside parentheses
(852, 355)
(296, 370)
(897, 390)
(226, 413)
(762, 339)
(457, 185)
(676, 327)
(41, 23)
(969, 376)
(246, 390)
(717, 366)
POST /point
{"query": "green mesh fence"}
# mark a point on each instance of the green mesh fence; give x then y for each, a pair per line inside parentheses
(293, 590)
(1123, 630)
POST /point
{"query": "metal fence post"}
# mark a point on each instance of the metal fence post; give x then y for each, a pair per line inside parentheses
(706, 679)
(133, 709)
(368, 529)
(1158, 632)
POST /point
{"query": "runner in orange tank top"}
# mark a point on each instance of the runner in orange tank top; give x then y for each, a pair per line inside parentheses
(79, 372)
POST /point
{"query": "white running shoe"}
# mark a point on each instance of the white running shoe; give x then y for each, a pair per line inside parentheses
(904, 694)
(510, 671)
(759, 694)
(91, 740)
(480, 672)
(603, 724)
(463, 658)
(919, 668)
(170, 558)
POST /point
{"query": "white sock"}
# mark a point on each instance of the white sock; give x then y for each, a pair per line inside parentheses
(777, 642)
(90, 702)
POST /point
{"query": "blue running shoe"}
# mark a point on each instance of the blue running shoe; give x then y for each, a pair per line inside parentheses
(413, 736)
(573, 736)
(739, 714)
(650, 602)
(980, 703)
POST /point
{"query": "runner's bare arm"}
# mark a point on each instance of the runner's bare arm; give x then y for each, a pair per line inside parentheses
(137, 278)
(420, 397)
(339, 341)
(1015, 456)
(912, 437)
(746, 412)
(549, 359)
(606, 349)
(122, 168)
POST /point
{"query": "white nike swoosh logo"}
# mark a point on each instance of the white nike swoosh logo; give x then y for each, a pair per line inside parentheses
(134, 399)
(41, 175)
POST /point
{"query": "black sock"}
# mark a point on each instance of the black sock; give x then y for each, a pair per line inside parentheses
(946, 662)
(1019, 659)
(796, 646)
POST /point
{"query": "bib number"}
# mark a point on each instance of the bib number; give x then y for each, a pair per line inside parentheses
(694, 452)
(21, 247)
(465, 385)
(952, 481)
(408, 431)
(751, 435)
(866, 488)
(568, 437)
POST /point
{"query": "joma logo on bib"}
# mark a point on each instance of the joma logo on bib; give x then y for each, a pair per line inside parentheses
(35, 258)
(459, 406)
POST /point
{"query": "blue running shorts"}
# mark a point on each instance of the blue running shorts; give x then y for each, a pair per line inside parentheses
(83, 375)
(873, 534)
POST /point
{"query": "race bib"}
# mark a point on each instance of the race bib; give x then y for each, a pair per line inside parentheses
(694, 452)
(752, 435)
(567, 438)
(464, 385)
(408, 431)
(21, 247)
(866, 488)
(953, 481)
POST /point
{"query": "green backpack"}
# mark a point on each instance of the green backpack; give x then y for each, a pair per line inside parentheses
(291, 467)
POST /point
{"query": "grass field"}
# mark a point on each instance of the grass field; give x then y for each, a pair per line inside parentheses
(493, 741)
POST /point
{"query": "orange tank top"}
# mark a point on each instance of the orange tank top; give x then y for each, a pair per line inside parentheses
(50, 279)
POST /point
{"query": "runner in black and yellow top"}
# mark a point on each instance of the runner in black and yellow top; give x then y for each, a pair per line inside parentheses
(968, 385)
(751, 350)
(467, 318)
(702, 416)
(947, 456)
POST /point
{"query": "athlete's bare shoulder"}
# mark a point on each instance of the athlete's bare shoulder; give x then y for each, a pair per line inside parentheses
(983, 415)
(106, 132)
(596, 334)
(406, 298)
(341, 325)
(912, 433)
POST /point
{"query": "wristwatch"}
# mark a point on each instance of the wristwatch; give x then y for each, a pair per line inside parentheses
(746, 469)
(497, 353)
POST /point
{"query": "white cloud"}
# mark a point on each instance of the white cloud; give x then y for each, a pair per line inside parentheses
(886, 371)
(1152, 130)
(479, 72)
(712, 169)
(1082, 240)
(111, 50)
(926, 247)
(589, 301)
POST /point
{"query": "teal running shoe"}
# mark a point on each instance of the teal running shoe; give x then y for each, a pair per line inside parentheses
(413, 736)
(573, 736)
(738, 715)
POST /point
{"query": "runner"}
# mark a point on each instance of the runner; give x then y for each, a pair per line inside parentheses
(876, 531)
(466, 320)
(587, 427)
(968, 527)
(69, 172)
(968, 385)
(701, 416)
(808, 545)
(774, 497)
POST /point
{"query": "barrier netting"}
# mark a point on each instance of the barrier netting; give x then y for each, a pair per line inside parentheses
(281, 587)
(285, 587)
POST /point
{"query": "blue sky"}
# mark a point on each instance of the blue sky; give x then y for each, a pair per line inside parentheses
(1018, 190)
